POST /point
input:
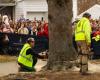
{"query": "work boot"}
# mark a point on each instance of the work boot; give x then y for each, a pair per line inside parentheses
(84, 69)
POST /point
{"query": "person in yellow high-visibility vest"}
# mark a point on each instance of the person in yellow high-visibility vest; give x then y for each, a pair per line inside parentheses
(83, 41)
(27, 57)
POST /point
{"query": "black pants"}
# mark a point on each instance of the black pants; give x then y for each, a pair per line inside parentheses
(28, 69)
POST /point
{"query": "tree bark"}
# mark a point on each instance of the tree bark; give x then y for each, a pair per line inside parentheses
(61, 51)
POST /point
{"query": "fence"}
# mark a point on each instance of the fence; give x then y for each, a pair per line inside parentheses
(96, 48)
(16, 42)
(95, 45)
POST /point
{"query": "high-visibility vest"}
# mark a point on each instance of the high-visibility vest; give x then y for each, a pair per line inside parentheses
(81, 28)
(24, 59)
(96, 38)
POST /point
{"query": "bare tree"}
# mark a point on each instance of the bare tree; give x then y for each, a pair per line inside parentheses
(61, 51)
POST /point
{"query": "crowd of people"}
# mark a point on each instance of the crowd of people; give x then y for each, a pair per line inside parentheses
(24, 26)
(95, 24)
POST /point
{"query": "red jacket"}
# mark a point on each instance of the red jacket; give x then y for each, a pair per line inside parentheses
(96, 33)
(44, 32)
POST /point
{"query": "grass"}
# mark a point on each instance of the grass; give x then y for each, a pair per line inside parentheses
(7, 58)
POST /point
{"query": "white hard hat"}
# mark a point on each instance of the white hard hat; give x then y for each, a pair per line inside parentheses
(30, 39)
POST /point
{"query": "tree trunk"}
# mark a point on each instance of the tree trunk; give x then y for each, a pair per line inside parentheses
(61, 51)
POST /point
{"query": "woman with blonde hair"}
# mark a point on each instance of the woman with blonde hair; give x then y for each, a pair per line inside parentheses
(23, 29)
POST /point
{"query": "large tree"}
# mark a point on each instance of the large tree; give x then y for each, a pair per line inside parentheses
(61, 51)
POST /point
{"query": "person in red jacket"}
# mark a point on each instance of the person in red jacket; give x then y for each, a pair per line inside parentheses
(43, 31)
(97, 32)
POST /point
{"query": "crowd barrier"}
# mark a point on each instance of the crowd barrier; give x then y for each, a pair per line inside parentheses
(95, 46)
(16, 41)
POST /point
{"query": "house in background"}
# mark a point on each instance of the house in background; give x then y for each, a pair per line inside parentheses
(38, 9)
(30, 9)
(81, 6)
(94, 11)
(7, 7)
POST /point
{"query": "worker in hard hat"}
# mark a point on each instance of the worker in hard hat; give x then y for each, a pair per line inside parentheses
(83, 40)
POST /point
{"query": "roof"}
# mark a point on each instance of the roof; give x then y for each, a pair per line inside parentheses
(94, 11)
(7, 2)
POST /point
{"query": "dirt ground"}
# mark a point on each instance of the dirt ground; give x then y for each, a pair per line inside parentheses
(7, 58)
(72, 74)
(52, 76)
(12, 67)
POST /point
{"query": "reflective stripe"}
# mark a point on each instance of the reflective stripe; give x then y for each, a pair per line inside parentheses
(23, 53)
(97, 38)
(25, 57)
(80, 32)
(24, 49)
(80, 25)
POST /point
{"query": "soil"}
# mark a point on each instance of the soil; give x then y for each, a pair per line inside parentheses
(8, 67)
(72, 74)
(48, 75)
(12, 67)
(7, 58)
